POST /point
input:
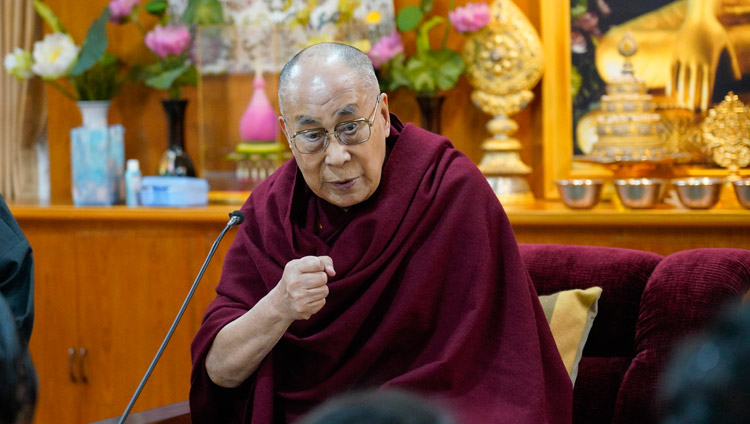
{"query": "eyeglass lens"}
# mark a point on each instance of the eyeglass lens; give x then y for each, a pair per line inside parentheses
(351, 132)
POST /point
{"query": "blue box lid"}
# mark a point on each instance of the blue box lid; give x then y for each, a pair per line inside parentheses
(173, 191)
(174, 183)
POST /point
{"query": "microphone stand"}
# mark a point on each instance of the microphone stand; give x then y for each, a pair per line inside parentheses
(236, 218)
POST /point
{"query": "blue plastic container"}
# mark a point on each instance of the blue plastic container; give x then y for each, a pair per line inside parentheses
(174, 191)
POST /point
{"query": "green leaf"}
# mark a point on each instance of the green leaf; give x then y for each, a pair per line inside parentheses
(575, 81)
(450, 68)
(394, 74)
(426, 5)
(209, 13)
(434, 70)
(423, 35)
(203, 12)
(579, 8)
(191, 11)
(49, 16)
(408, 18)
(157, 7)
(164, 80)
(189, 77)
(94, 45)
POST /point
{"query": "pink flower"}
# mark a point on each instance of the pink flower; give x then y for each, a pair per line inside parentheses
(577, 42)
(168, 40)
(385, 49)
(120, 10)
(470, 18)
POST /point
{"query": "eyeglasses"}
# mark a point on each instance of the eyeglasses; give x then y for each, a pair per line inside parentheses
(349, 132)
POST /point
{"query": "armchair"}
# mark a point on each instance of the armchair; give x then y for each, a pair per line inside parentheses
(649, 302)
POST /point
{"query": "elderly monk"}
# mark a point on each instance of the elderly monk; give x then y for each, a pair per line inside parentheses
(378, 257)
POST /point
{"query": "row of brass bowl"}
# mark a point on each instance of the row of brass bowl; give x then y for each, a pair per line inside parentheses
(646, 193)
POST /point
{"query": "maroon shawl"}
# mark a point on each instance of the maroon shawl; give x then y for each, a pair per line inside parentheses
(430, 295)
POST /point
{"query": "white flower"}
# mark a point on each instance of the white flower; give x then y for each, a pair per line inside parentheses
(18, 64)
(54, 56)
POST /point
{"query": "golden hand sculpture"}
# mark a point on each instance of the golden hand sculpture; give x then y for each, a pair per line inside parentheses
(695, 55)
(680, 46)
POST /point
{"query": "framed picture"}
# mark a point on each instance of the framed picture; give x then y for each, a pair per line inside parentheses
(690, 54)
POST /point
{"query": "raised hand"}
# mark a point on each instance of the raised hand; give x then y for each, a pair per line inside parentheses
(303, 289)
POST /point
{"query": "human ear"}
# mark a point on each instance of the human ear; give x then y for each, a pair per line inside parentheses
(282, 124)
(384, 111)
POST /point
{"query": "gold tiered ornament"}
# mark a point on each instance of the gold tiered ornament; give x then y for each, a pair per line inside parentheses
(628, 129)
(631, 135)
(504, 62)
(726, 132)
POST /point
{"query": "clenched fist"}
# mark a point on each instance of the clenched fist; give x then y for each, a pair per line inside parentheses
(302, 290)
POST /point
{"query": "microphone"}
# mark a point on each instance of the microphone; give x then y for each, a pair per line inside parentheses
(236, 218)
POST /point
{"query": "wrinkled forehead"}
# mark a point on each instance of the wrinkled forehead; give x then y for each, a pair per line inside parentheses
(324, 92)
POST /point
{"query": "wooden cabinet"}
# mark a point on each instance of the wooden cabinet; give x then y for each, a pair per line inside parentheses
(108, 282)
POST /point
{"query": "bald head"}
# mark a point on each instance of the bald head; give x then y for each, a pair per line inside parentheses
(321, 58)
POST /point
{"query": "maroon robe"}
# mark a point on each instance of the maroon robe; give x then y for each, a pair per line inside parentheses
(430, 295)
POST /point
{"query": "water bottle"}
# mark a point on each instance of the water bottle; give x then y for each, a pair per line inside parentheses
(132, 182)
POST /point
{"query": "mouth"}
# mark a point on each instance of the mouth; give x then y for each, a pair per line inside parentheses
(344, 184)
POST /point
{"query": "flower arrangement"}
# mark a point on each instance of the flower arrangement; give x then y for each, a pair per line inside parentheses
(91, 72)
(429, 70)
(170, 40)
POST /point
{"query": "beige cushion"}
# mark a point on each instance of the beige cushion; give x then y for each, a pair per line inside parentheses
(570, 315)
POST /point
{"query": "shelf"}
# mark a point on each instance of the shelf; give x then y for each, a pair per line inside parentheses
(541, 213)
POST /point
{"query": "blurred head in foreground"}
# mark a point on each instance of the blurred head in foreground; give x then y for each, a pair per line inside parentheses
(708, 379)
(378, 407)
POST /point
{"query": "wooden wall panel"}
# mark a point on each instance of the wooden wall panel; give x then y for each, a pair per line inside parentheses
(139, 109)
(113, 285)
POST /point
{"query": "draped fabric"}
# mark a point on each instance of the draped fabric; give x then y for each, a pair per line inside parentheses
(430, 295)
(22, 108)
(16, 273)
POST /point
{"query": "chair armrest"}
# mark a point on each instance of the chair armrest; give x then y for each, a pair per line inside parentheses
(684, 292)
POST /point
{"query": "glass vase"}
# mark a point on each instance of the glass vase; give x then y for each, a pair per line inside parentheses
(430, 107)
(175, 160)
(97, 157)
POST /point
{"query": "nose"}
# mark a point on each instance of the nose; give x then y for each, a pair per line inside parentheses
(337, 153)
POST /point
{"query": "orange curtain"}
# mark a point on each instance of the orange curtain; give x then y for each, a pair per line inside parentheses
(22, 111)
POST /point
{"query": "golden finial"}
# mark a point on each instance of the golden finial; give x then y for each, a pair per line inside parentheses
(726, 132)
(627, 45)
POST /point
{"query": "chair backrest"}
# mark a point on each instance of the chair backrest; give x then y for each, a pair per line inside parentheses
(622, 274)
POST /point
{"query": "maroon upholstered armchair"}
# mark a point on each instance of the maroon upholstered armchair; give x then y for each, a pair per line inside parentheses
(648, 303)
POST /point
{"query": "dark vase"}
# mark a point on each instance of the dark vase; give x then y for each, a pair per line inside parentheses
(430, 108)
(175, 160)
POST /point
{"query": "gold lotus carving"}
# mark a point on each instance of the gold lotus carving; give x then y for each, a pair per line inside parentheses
(726, 132)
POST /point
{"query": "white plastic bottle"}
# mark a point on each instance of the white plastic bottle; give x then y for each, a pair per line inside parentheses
(132, 182)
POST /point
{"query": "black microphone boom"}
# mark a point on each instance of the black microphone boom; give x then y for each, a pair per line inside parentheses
(236, 218)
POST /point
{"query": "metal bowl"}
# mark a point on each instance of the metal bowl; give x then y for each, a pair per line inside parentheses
(742, 190)
(639, 193)
(579, 193)
(698, 193)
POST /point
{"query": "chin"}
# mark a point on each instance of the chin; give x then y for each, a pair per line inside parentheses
(347, 201)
